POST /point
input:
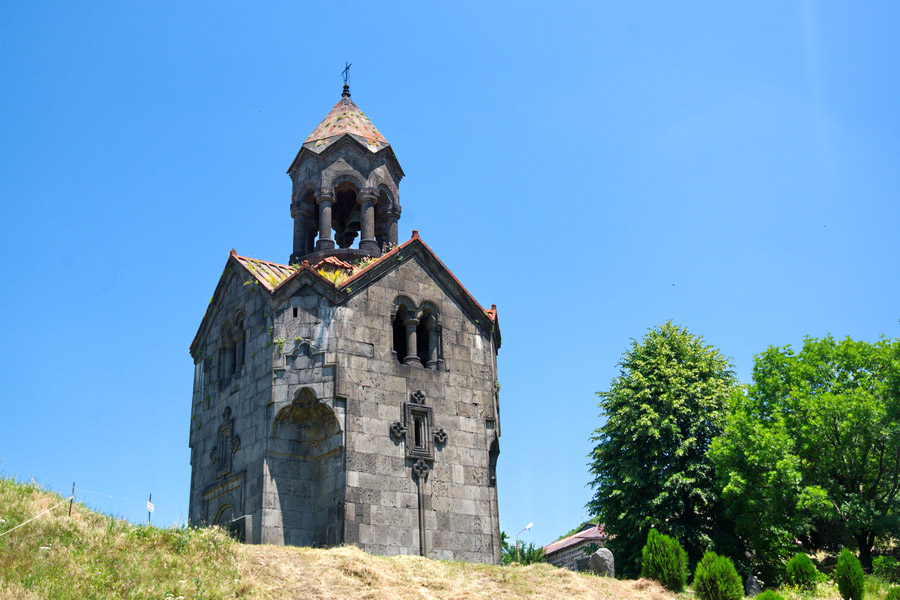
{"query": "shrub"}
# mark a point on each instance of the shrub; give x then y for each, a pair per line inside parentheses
(664, 560)
(769, 595)
(802, 572)
(717, 579)
(850, 577)
(893, 594)
(886, 568)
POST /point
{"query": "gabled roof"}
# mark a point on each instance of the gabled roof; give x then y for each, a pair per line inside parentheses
(345, 119)
(270, 274)
(588, 533)
(283, 280)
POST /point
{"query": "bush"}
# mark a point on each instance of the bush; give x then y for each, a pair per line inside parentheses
(850, 577)
(893, 594)
(717, 579)
(886, 568)
(769, 595)
(802, 572)
(664, 560)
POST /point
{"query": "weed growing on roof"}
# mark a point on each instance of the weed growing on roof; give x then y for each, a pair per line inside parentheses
(336, 277)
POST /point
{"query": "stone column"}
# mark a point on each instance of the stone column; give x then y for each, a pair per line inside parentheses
(431, 326)
(367, 200)
(412, 358)
(393, 218)
(325, 200)
(300, 232)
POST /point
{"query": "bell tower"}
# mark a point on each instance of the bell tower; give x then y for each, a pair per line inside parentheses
(346, 401)
(345, 185)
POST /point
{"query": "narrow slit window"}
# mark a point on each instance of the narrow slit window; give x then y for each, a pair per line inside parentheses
(419, 428)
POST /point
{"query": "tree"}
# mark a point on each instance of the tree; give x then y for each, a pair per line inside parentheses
(528, 553)
(649, 464)
(814, 446)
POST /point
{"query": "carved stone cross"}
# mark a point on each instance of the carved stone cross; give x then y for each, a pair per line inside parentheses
(420, 437)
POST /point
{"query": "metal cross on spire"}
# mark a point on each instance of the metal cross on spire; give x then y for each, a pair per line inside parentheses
(346, 75)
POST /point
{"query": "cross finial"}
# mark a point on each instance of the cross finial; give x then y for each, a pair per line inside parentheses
(346, 75)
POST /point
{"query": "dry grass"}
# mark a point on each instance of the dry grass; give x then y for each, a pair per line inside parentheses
(95, 556)
(348, 572)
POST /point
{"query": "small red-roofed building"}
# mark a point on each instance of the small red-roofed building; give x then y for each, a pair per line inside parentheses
(564, 552)
(349, 396)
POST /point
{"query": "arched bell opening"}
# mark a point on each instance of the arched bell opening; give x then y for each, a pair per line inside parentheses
(306, 223)
(345, 216)
(306, 461)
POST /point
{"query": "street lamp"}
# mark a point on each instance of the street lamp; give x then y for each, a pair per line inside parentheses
(527, 527)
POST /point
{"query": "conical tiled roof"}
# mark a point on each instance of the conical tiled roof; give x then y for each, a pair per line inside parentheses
(345, 118)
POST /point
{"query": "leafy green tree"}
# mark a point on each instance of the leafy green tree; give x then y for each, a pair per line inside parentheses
(649, 464)
(815, 444)
(528, 553)
(760, 482)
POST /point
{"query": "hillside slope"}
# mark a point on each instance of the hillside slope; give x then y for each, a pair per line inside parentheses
(96, 556)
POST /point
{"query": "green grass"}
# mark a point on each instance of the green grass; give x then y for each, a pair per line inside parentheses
(95, 556)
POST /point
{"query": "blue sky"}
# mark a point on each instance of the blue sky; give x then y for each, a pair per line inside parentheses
(594, 169)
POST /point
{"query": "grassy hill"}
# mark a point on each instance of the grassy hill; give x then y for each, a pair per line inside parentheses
(91, 555)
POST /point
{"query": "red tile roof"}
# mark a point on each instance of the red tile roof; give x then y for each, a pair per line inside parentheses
(595, 533)
(334, 262)
(270, 274)
(345, 118)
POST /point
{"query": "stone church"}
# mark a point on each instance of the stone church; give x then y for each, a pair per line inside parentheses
(349, 396)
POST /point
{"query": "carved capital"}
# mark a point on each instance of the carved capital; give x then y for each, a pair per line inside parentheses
(368, 194)
(325, 197)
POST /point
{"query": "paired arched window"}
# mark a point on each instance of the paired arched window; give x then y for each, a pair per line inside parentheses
(416, 334)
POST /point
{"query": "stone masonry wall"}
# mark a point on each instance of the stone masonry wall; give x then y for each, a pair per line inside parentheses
(245, 393)
(313, 407)
(381, 505)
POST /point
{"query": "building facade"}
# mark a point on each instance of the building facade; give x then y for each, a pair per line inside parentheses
(349, 396)
(569, 550)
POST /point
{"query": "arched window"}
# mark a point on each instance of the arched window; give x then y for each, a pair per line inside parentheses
(422, 347)
(399, 333)
(428, 336)
(416, 334)
(238, 335)
(226, 354)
